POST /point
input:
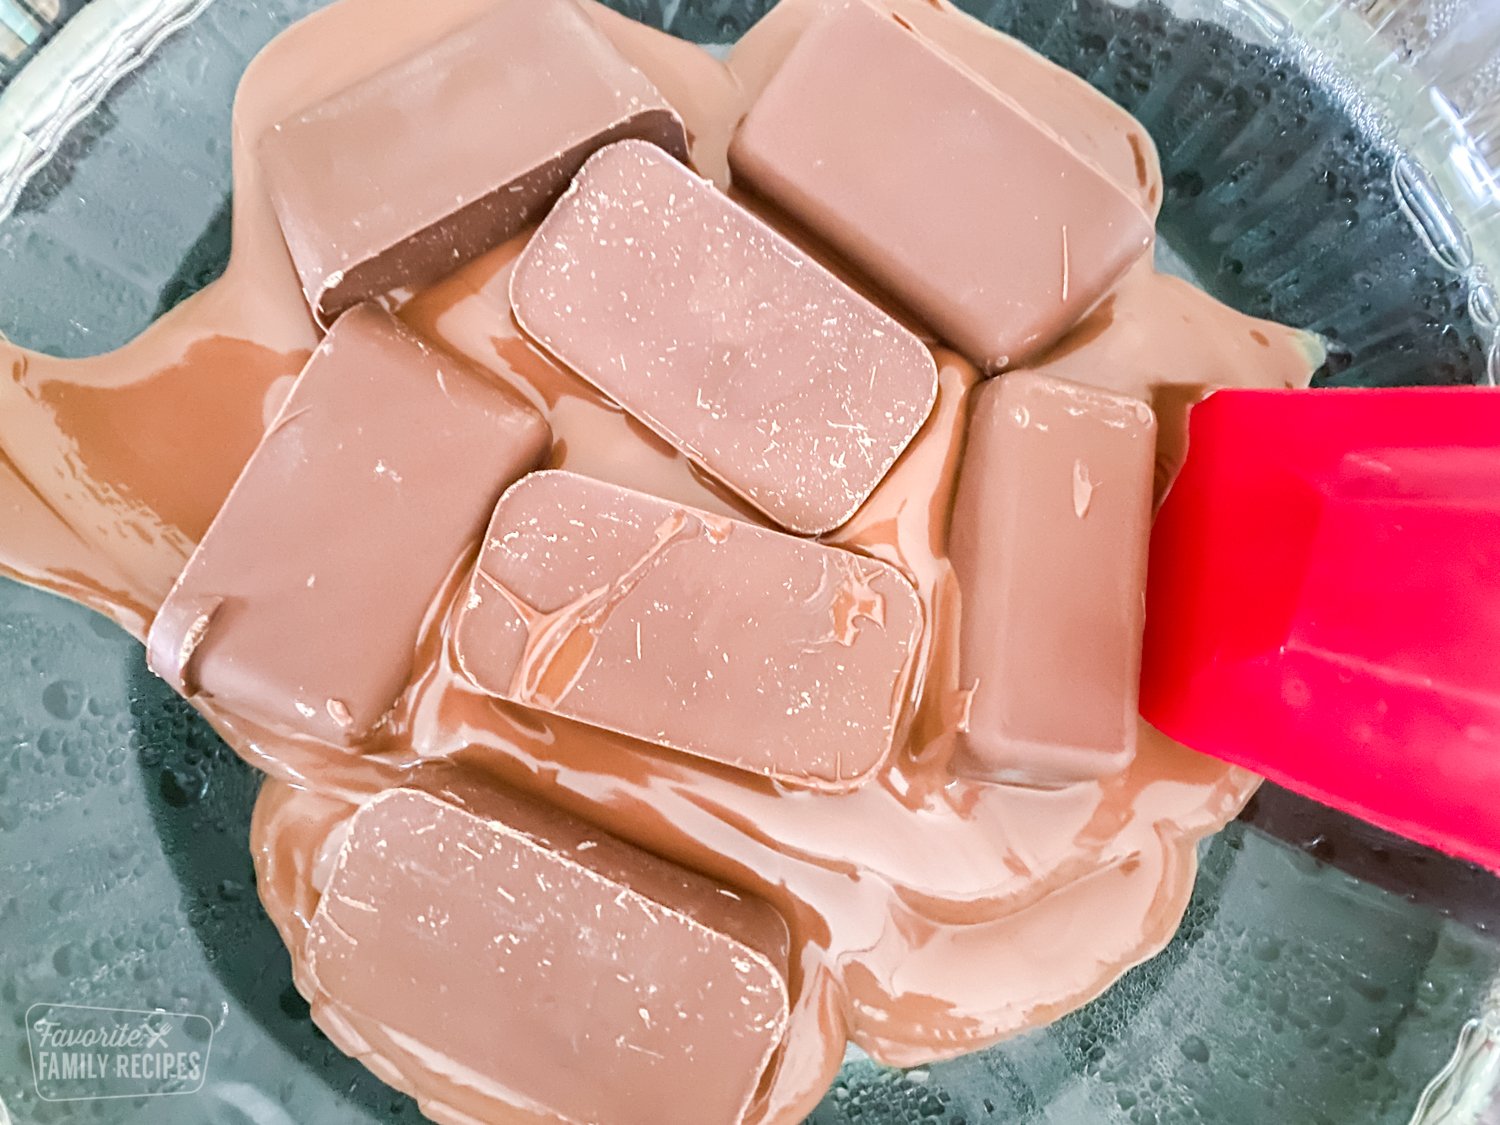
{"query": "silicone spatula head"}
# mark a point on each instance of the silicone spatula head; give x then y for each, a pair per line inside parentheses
(1323, 603)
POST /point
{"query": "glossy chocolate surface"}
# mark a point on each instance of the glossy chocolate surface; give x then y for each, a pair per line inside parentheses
(1050, 530)
(577, 974)
(955, 198)
(409, 172)
(723, 337)
(304, 600)
(684, 629)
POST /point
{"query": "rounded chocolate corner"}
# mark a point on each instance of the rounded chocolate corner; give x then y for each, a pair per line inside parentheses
(175, 636)
(835, 786)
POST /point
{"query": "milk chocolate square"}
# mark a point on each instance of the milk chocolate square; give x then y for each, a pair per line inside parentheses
(723, 337)
(553, 964)
(945, 191)
(409, 173)
(1049, 539)
(302, 605)
(718, 638)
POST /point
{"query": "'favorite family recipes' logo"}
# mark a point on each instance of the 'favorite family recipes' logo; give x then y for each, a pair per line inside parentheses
(79, 1052)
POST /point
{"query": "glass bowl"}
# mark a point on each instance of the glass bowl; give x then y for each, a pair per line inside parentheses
(1329, 165)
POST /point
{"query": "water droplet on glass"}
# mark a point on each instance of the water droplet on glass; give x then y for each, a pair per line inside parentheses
(180, 788)
(64, 699)
(70, 961)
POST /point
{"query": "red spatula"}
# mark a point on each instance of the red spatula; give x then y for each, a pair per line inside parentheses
(1324, 603)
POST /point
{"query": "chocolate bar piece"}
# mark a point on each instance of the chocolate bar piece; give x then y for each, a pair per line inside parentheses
(723, 337)
(406, 175)
(704, 634)
(947, 192)
(1050, 530)
(571, 973)
(302, 605)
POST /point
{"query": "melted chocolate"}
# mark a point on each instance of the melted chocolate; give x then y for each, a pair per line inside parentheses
(929, 916)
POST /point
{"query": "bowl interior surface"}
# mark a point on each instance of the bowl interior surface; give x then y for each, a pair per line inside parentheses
(1324, 972)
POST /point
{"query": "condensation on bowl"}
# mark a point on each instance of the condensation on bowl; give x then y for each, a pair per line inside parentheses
(1324, 973)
